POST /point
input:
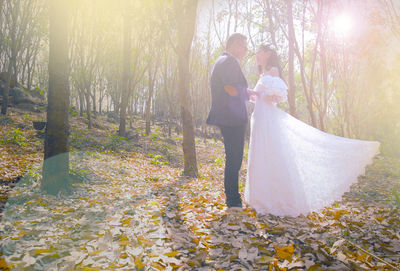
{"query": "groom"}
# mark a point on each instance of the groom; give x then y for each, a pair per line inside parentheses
(228, 111)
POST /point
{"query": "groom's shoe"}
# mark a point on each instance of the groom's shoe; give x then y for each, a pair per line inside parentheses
(235, 209)
(237, 205)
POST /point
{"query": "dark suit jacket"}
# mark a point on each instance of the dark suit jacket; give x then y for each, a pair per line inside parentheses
(227, 110)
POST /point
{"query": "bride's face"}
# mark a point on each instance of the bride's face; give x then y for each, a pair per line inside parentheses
(262, 57)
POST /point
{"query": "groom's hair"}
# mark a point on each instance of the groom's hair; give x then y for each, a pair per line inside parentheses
(234, 38)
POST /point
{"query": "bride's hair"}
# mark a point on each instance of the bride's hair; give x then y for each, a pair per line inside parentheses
(273, 60)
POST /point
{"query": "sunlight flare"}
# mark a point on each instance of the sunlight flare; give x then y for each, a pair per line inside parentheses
(343, 25)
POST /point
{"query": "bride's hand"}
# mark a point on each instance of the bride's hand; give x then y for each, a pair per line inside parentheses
(252, 92)
(271, 98)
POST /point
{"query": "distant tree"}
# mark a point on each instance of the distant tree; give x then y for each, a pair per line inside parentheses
(291, 41)
(13, 20)
(1, 11)
(185, 11)
(56, 157)
(391, 10)
(127, 33)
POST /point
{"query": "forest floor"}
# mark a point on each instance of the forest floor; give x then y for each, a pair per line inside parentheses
(132, 209)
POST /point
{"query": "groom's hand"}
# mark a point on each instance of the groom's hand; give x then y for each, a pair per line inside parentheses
(231, 90)
(252, 92)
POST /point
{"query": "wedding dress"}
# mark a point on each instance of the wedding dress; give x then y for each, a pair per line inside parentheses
(294, 168)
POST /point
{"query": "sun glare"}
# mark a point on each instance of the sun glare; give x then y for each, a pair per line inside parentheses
(343, 25)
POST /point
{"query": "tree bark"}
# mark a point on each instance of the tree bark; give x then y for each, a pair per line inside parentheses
(81, 102)
(11, 65)
(325, 89)
(6, 90)
(292, 87)
(149, 97)
(126, 71)
(1, 12)
(186, 15)
(88, 109)
(56, 157)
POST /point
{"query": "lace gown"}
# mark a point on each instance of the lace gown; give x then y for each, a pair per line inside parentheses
(294, 168)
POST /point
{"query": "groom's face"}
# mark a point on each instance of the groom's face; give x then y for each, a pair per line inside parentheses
(241, 46)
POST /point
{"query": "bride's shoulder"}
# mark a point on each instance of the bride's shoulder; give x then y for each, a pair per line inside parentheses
(266, 78)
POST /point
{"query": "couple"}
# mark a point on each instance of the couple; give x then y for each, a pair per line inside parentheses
(293, 168)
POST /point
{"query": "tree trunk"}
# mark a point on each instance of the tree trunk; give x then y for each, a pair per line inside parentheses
(150, 97)
(81, 102)
(1, 12)
(6, 90)
(292, 87)
(186, 14)
(11, 65)
(126, 71)
(56, 157)
(148, 107)
(93, 96)
(325, 89)
(88, 109)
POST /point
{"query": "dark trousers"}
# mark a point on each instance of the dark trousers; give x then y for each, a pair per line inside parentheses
(234, 144)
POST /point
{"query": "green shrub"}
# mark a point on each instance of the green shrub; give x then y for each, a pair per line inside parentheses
(15, 136)
(157, 160)
(115, 141)
(154, 137)
(219, 161)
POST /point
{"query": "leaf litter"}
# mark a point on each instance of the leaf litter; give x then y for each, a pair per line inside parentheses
(133, 214)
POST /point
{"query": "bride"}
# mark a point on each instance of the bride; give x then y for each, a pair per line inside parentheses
(294, 168)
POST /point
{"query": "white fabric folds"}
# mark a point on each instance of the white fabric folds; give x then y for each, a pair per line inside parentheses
(294, 168)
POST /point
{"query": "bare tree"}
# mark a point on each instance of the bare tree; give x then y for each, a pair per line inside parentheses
(56, 163)
(392, 11)
(127, 33)
(185, 11)
(152, 73)
(291, 41)
(13, 54)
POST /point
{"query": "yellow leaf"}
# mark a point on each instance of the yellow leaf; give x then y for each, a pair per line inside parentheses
(40, 251)
(315, 267)
(87, 268)
(249, 226)
(264, 226)
(171, 254)
(96, 252)
(4, 265)
(192, 263)
(339, 213)
(158, 266)
(138, 263)
(124, 238)
(284, 253)
(126, 221)
(125, 243)
(361, 257)
(144, 241)
(266, 259)
(40, 202)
